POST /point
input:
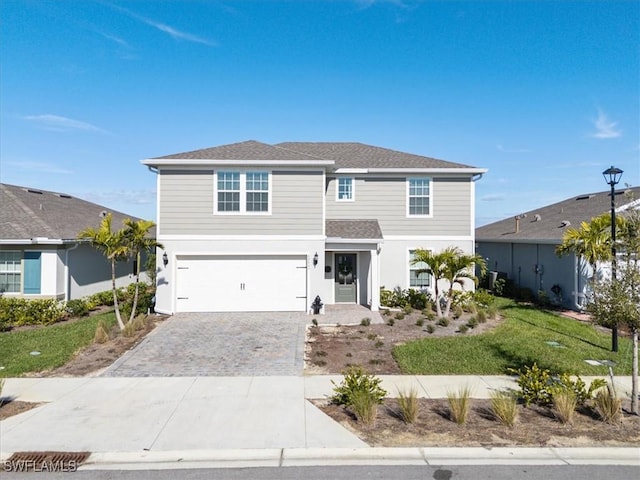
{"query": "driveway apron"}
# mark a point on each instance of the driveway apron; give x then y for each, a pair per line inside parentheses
(218, 344)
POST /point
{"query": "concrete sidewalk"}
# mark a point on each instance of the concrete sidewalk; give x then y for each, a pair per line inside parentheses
(237, 421)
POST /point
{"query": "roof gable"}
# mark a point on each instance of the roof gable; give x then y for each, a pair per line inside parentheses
(29, 213)
(549, 223)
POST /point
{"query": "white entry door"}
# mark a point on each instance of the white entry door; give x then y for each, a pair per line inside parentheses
(241, 283)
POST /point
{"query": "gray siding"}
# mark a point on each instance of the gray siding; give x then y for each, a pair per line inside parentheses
(385, 199)
(186, 206)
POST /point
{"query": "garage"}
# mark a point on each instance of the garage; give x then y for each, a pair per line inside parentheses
(241, 283)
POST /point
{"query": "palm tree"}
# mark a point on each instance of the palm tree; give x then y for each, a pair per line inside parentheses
(136, 237)
(451, 264)
(592, 241)
(113, 246)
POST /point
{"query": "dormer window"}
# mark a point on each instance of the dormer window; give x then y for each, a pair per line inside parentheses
(345, 190)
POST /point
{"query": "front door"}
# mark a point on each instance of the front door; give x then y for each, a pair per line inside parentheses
(345, 277)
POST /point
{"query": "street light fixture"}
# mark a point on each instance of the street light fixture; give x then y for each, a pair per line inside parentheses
(612, 176)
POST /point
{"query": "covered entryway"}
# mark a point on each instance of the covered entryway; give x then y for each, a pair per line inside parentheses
(241, 283)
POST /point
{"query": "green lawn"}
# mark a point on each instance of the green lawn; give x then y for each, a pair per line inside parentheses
(520, 340)
(56, 344)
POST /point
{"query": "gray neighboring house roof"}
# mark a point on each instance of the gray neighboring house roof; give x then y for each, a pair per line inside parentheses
(353, 229)
(549, 223)
(31, 213)
(342, 155)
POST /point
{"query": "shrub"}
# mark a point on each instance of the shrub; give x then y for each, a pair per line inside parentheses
(458, 312)
(427, 310)
(356, 379)
(15, 312)
(417, 299)
(564, 405)
(372, 336)
(492, 311)
(399, 315)
(314, 322)
(365, 322)
(459, 404)
(365, 406)
(420, 322)
(391, 322)
(102, 333)
(77, 307)
(463, 329)
(534, 384)
(577, 387)
(608, 406)
(443, 322)
(103, 298)
(504, 408)
(408, 403)
(481, 316)
(129, 330)
(483, 298)
(431, 316)
(378, 344)
(395, 298)
(407, 309)
(473, 322)
(431, 328)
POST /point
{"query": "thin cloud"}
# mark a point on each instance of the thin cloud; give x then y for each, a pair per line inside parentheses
(512, 150)
(605, 128)
(130, 197)
(40, 167)
(163, 27)
(58, 123)
(493, 197)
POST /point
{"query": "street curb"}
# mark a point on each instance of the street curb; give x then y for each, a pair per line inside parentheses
(298, 457)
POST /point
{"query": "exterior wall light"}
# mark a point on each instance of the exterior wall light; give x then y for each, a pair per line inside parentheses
(165, 259)
(315, 259)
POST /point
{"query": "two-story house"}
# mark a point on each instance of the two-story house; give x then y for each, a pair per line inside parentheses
(257, 227)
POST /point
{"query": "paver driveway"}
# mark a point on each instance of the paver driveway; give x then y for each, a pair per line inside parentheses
(218, 344)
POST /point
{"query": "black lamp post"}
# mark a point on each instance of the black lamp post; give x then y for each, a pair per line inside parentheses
(612, 177)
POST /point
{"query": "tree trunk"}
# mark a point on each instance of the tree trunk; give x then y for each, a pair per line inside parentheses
(438, 307)
(634, 373)
(135, 295)
(115, 293)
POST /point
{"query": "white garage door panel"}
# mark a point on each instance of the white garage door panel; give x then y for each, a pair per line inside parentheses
(241, 284)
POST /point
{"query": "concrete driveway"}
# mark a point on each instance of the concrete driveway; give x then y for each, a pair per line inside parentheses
(219, 344)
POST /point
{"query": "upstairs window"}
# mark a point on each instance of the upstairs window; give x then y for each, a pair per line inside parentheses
(418, 280)
(419, 197)
(10, 272)
(344, 191)
(242, 192)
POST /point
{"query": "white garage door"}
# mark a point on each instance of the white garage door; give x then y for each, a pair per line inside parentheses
(241, 283)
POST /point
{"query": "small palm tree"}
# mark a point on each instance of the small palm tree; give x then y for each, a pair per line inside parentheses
(114, 247)
(592, 241)
(451, 264)
(137, 239)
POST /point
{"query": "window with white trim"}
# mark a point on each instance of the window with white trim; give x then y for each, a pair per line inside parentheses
(238, 192)
(10, 272)
(344, 190)
(418, 279)
(419, 197)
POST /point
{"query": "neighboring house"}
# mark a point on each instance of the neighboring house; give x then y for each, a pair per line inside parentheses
(522, 248)
(257, 227)
(40, 256)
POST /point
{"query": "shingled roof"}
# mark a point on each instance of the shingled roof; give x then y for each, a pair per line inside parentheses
(29, 213)
(548, 224)
(359, 155)
(345, 155)
(353, 229)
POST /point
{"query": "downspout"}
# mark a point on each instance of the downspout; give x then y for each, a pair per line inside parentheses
(67, 275)
(576, 283)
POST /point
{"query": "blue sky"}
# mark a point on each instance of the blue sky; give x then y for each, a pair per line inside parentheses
(545, 94)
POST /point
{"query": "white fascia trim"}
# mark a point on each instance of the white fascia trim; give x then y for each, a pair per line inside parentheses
(351, 170)
(354, 240)
(529, 241)
(466, 171)
(184, 162)
(237, 253)
(452, 238)
(279, 238)
(36, 241)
